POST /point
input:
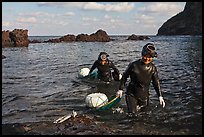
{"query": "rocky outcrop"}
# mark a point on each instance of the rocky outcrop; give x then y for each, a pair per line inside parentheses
(66, 38)
(6, 40)
(34, 41)
(187, 22)
(136, 37)
(99, 36)
(15, 38)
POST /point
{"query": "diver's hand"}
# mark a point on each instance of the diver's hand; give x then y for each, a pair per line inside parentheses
(161, 101)
(120, 76)
(119, 93)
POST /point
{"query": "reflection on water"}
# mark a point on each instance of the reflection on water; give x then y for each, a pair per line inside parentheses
(40, 83)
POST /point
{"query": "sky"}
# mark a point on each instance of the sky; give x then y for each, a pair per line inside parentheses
(62, 18)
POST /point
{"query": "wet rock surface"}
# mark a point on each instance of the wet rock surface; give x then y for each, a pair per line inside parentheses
(79, 125)
(85, 125)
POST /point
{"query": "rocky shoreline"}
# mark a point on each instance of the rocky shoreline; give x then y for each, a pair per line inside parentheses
(79, 125)
(83, 125)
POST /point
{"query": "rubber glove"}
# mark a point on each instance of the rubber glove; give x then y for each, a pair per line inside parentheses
(119, 93)
(161, 101)
(120, 76)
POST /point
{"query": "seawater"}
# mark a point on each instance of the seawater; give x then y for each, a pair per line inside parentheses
(40, 83)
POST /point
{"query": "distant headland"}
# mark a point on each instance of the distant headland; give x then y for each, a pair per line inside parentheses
(187, 22)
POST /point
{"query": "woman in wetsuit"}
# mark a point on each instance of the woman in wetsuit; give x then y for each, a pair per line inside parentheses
(104, 66)
(142, 72)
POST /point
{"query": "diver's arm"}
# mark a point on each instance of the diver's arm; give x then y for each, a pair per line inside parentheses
(156, 83)
(93, 67)
(125, 76)
(114, 68)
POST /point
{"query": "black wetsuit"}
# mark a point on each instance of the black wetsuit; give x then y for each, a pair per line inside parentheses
(104, 71)
(141, 76)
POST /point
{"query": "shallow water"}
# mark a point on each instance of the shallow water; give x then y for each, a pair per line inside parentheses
(40, 83)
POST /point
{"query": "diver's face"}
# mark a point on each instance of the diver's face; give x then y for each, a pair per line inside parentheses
(147, 59)
(103, 57)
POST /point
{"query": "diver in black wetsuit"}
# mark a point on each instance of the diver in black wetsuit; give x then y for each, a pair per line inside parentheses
(104, 65)
(142, 72)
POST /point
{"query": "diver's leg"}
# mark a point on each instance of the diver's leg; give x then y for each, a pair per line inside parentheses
(143, 103)
(131, 102)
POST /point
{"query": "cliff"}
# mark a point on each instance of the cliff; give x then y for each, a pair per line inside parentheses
(187, 22)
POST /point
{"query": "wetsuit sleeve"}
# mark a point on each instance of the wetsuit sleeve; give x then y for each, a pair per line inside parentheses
(155, 82)
(125, 76)
(114, 67)
(93, 66)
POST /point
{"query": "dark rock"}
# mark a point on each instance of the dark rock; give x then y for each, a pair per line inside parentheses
(100, 36)
(34, 41)
(83, 38)
(13, 129)
(136, 37)
(68, 38)
(80, 125)
(187, 22)
(57, 40)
